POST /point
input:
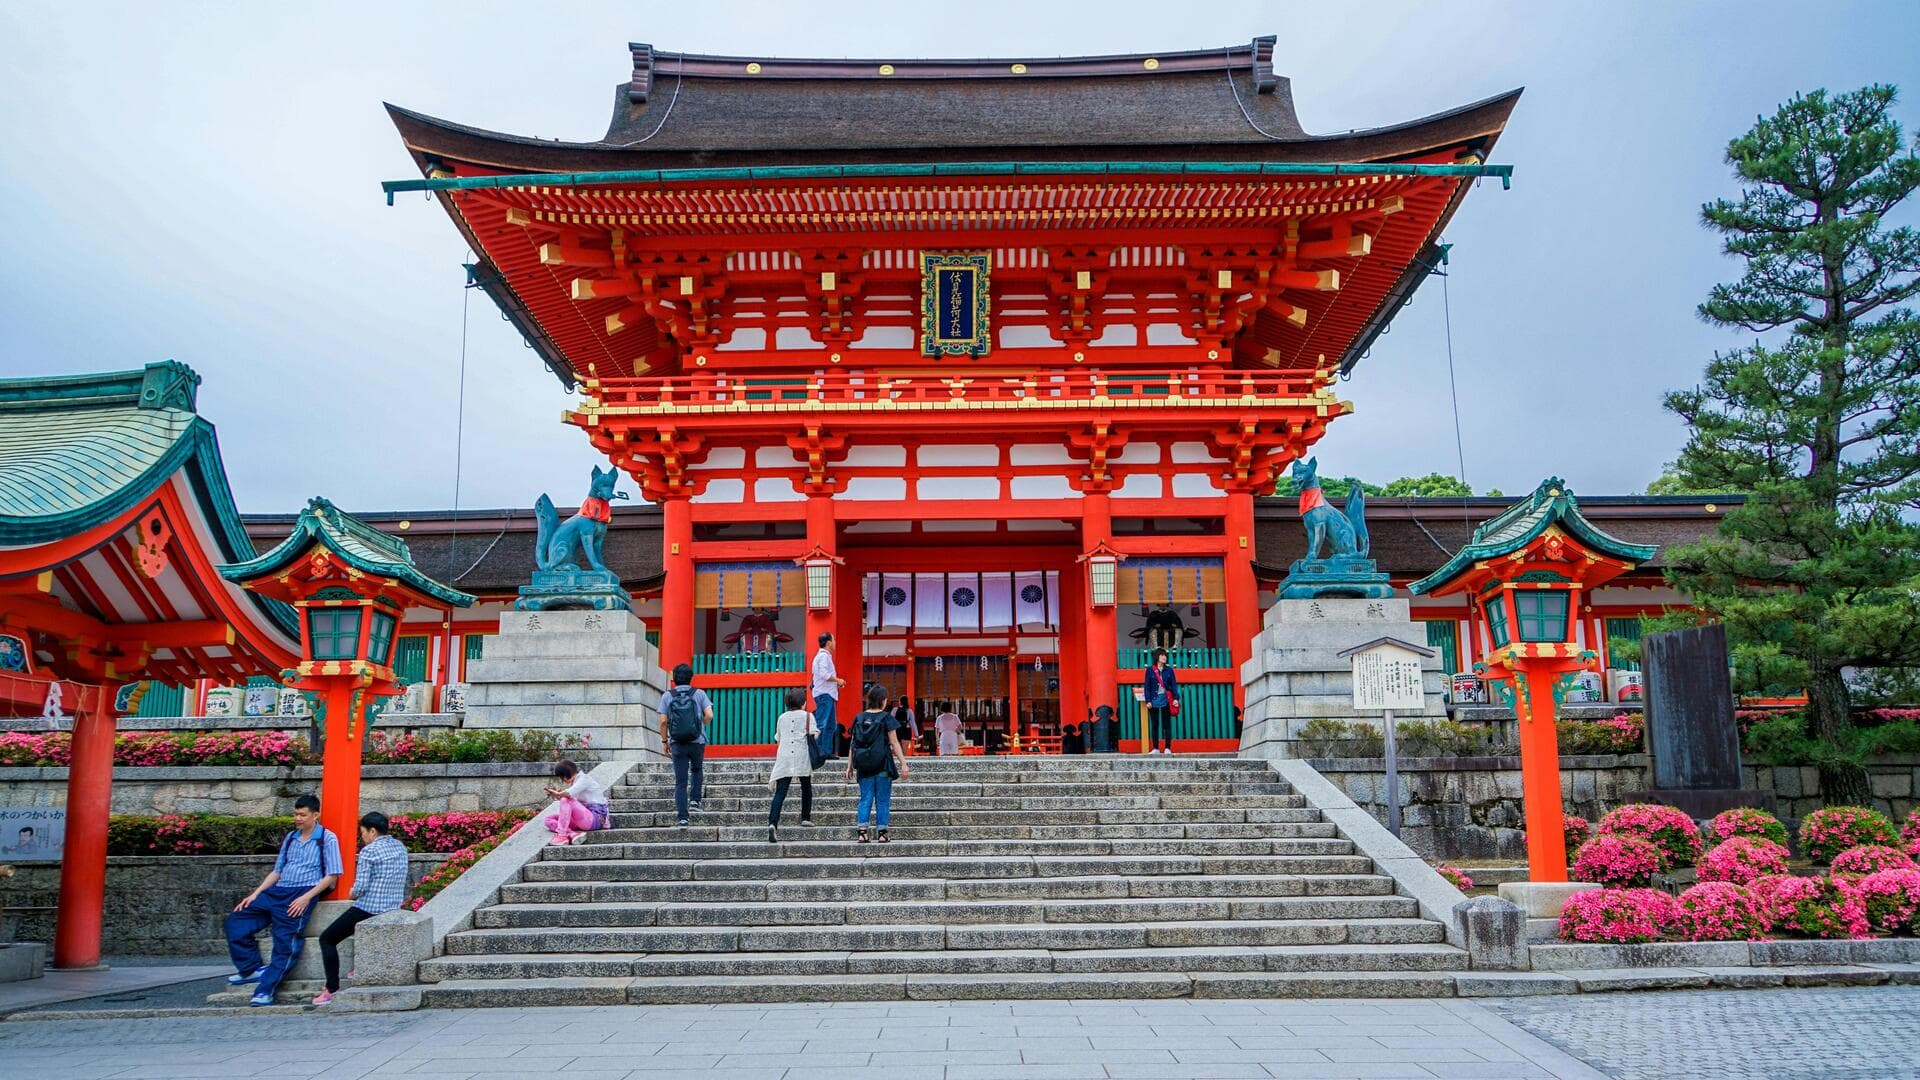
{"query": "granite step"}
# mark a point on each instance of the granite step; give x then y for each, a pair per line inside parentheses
(1284, 958)
(906, 937)
(907, 800)
(846, 845)
(705, 830)
(946, 912)
(1006, 866)
(863, 890)
(919, 785)
(631, 815)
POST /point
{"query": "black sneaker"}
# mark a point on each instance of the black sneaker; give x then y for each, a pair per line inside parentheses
(694, 806)
(773, 835)
(684, 823)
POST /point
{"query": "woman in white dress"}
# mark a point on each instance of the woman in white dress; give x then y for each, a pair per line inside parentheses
(794, 733)
(947, 727)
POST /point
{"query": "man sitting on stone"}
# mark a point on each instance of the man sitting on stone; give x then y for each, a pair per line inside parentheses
(379, 886)
(307, 866)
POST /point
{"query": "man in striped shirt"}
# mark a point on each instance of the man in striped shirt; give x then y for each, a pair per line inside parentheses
(379, 886)
(308, 865)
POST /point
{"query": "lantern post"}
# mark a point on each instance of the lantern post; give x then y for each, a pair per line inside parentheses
(1525, 568)
(351, 586)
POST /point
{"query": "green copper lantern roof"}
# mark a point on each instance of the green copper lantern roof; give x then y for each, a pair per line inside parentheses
(1552, 503)
(354, 542)
(78, 451)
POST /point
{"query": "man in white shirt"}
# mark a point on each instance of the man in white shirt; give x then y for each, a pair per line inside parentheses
(826, 695)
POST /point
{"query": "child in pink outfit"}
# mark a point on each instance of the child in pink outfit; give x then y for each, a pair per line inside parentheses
(579, 807)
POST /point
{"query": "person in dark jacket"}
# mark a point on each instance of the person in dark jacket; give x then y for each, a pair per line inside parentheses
(1163, 697)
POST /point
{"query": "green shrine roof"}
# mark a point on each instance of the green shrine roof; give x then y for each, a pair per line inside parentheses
(1552, 503)
(356, 543)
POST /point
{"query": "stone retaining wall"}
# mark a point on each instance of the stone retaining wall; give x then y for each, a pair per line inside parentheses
(1469, 807)
(269, 790)
(157, 905)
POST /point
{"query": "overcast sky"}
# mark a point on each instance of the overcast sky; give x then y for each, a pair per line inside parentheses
(202, 182)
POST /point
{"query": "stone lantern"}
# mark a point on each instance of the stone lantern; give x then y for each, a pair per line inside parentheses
(351, 586)
(1524, 570)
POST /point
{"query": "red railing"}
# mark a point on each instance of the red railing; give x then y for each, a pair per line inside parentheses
(884, 390)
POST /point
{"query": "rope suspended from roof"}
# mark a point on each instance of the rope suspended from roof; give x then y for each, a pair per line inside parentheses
(1253, 68)
(671, 101)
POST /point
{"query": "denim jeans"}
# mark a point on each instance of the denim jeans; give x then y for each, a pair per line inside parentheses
(823, 710)
(687, 757)
(269, 911)
(876, 794)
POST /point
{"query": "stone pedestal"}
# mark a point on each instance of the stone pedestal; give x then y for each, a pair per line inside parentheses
(576, 672)
(22, 960)
(1296, 673)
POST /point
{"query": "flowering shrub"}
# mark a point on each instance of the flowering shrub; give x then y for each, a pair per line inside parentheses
(1745, 821)
(1667, 828)
(1720, 911)
(454, 830)
(467, 747)
(1831, 830)
(1455, 875)
(1617, 916)
(1619, 861)
(458, 863)
(1869, 859)
(1578, 829)
(211, 834)
(1910, 832)
(26, 749)
(1890, 898)
(1811, 907)
(1621, 733)
(1742, 859)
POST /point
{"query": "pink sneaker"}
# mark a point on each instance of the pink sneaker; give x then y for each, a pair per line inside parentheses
(324, 997)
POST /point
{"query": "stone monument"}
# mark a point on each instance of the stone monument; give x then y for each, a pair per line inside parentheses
(571, 658)
(1691, 732)
(1327, 606)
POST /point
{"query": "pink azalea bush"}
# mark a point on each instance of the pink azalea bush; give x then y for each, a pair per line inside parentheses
(22, 748)
(158, 748)
(1455, 875)
(1745, 821)
(1869, 859)
(1617, 916)
(458, 863)
(1831, 830)
(1811, 907)
(471, 746)
(1742, 859)
(1626, 730)
(454, 830)
(1890, 900)
(1720, 911)
(1910, 832)
(1617, 861)
(1578, 829)
(1669, 829)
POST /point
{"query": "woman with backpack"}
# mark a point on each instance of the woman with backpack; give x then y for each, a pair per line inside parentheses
(794, 735)
(1163, 703)
(876, 759)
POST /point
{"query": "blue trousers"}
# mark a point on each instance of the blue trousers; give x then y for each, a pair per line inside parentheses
(876, 795)
(823, 710)
(687, 758)
(269, 910)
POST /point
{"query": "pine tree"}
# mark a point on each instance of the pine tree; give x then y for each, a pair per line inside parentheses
(1819, 419)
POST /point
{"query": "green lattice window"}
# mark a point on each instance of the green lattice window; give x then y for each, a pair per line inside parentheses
(1496, 610)
(335, 632)
(410, 658)
(1543, 615)
(380, 641)
(1443, 637)
(473, 644)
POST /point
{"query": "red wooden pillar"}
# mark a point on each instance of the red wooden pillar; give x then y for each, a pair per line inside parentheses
(1103, 635)
(822, 538)
(1540, 774)
(1243, 592)
(340, 776)
(848, 643)
(83, 865)
(676, 592)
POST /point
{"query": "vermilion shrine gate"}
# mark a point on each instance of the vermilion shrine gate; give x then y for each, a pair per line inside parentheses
(967, 326)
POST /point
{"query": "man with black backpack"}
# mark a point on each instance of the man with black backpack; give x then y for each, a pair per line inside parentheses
(685, 713)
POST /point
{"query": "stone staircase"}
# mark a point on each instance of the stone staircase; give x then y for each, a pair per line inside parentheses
(1005, 878)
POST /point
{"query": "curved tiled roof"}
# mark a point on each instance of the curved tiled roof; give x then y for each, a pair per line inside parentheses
(358, 544)
(1552, 503)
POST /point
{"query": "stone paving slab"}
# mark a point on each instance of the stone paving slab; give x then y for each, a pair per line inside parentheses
(892, 1040)
(58, 986)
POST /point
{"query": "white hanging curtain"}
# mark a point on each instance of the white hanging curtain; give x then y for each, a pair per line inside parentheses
(996, 601)
(1030, 594)
(929, 601)
(963, 602)
(896, 600)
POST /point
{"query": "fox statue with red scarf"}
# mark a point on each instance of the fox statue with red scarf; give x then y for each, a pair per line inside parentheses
(1344, 531)
(586, 530)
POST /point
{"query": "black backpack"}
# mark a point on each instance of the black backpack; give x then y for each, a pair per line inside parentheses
(683, 715)
(870, 751)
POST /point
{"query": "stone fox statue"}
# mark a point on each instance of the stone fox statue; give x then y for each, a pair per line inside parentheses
(586, 530)
(1345, 533)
